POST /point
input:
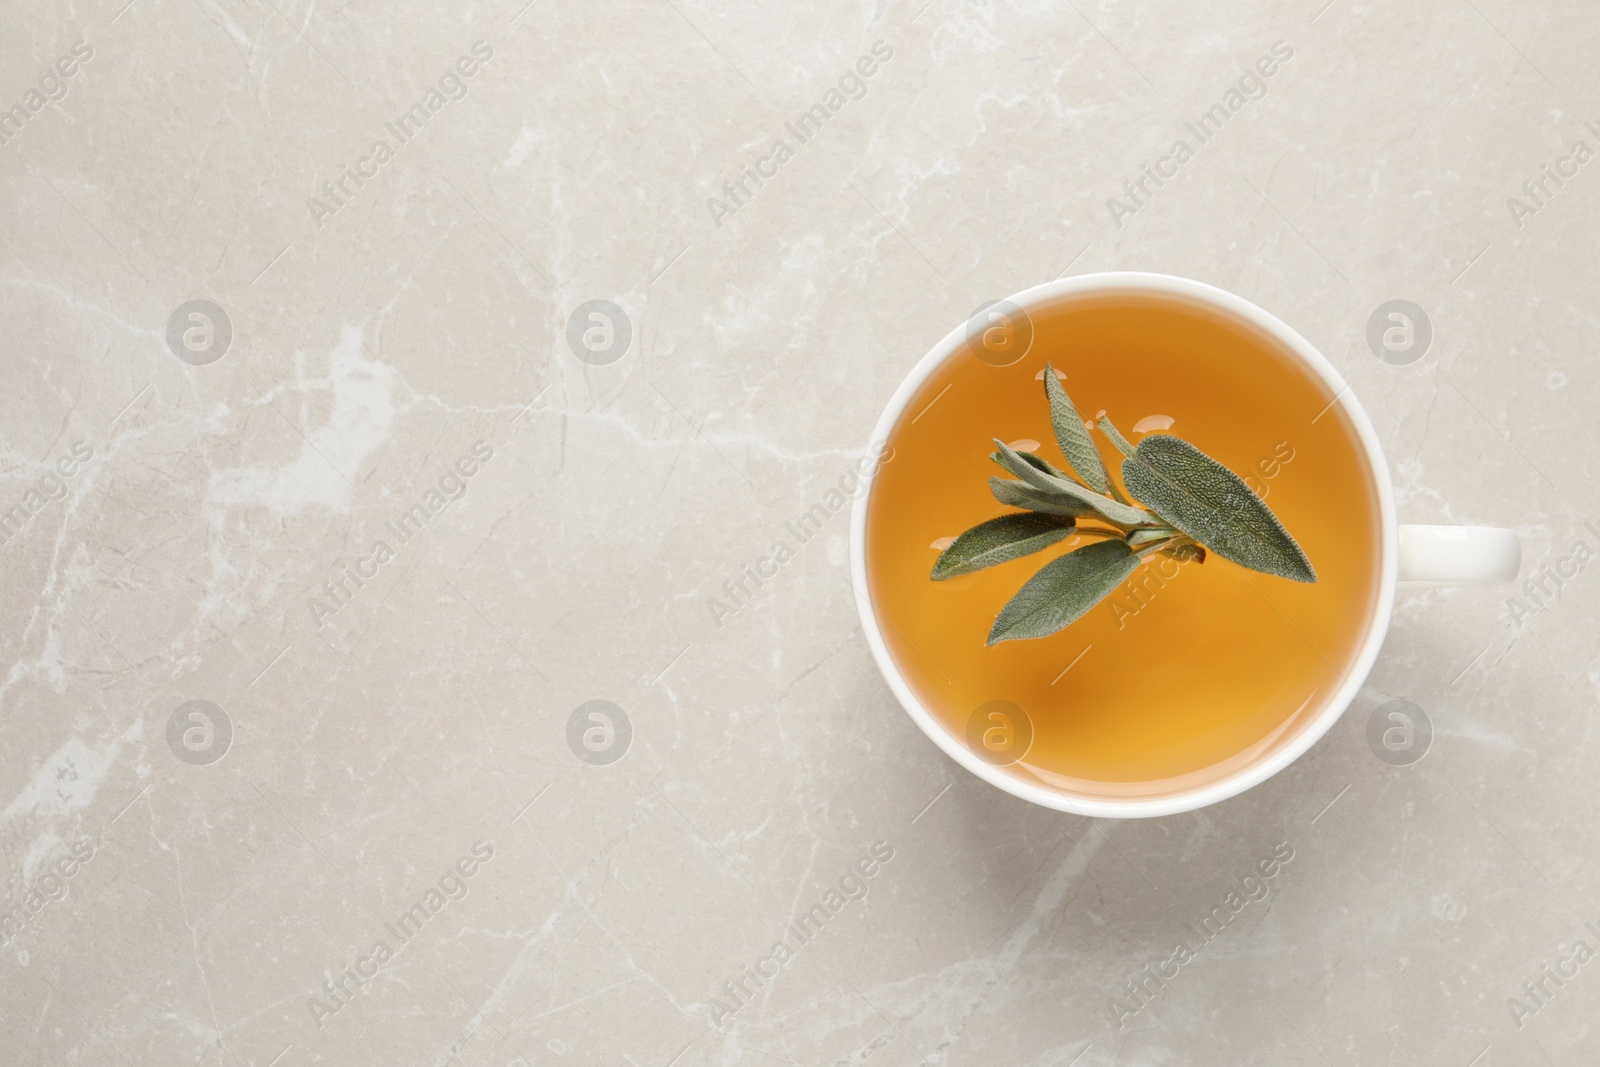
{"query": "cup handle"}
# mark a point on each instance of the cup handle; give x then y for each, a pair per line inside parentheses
(1433, 557)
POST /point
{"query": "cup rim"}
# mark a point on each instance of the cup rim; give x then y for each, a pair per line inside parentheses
(1142, 283)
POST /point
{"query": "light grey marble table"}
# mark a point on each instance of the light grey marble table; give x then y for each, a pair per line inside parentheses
(293, 297)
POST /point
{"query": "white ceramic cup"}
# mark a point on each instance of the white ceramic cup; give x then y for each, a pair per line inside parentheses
(1415, 556)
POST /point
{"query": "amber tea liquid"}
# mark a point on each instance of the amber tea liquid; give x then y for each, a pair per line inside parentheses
(1189, 670)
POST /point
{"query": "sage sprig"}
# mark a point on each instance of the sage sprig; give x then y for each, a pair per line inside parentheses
(1174, 501)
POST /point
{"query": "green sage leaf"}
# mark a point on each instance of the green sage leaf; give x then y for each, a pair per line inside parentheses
(1023, 495)
(1000, 540)
(1063, 591)
(1037, 462)
(1116, 513)
(1115, 435)
(1075, 442)
(1122, 445)
(1214, 506)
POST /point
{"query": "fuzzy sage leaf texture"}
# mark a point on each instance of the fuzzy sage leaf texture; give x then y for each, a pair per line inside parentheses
(1037, 462)
(1023, 495)
(998, 541)
(1214, 506)
(1064, 590)
(1113, 512)
(1073, 438)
